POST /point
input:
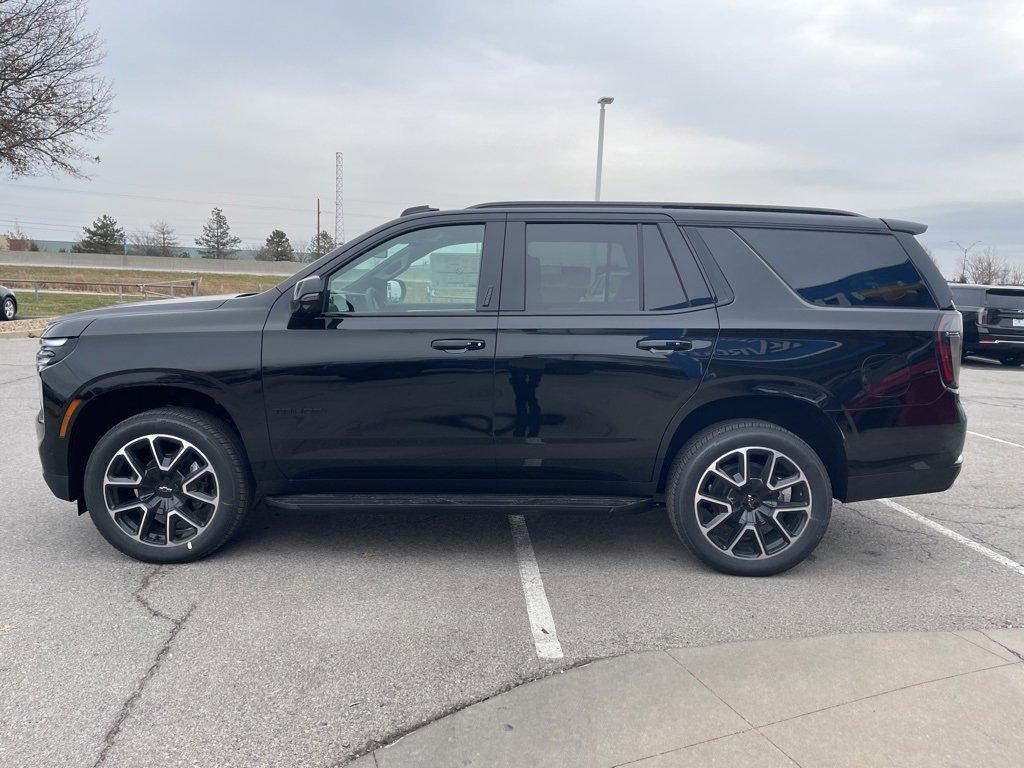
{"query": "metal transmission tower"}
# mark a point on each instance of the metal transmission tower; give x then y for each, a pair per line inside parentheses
(339, 210)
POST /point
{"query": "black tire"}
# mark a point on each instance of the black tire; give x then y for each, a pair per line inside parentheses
(695, 461)
(218, 444)
(1012, 360)
(9, 308)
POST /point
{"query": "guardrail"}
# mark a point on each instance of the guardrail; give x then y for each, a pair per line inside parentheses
(165, 290)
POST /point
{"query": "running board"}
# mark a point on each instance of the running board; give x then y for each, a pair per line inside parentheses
(462, 501)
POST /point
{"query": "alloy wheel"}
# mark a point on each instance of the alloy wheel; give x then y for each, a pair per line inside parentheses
(161, 490)
(753, 503)
(9, 308)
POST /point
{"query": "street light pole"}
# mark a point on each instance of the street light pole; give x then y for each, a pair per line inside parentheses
(604, 101)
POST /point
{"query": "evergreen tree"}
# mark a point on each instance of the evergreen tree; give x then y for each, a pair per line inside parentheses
(277, 248)
(217, 241)
(104, 236)
(319, 245)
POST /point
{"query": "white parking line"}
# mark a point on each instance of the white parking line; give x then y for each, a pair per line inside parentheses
(542, 623)
(996, 439)
(979, 548)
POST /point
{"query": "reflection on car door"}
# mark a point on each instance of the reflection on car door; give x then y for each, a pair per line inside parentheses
(386, 389)
(597, 351)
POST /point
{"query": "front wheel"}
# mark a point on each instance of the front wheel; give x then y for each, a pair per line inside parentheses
(169, 485)
(749, 498)
(9, 309)
(1012, 360)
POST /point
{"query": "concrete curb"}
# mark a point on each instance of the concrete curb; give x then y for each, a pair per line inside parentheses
(935, 699)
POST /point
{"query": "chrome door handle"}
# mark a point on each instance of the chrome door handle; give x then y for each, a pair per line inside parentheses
(675, 345)
(458, 345)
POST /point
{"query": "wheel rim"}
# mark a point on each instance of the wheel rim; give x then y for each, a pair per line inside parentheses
(753, 503)
(8, 309)
(161, 490)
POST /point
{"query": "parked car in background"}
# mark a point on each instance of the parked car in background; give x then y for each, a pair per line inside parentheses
(993, 321)
(743, 365)
(8, 304)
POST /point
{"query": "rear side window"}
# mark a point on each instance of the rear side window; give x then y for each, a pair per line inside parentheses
(582, 268)
(842, 269)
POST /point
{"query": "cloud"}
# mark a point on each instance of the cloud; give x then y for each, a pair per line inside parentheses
(882, 107)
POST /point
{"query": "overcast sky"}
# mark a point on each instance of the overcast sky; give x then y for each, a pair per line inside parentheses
(906, 109)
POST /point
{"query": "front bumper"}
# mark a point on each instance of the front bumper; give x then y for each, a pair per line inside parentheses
(59, 485)
(53, 457)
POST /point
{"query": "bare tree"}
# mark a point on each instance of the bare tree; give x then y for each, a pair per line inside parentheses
(158, 240)
(18, 240)
(965, 260)
(163, 234)
(988, 268)
(51, 93)
(1015, 274)
(142, 243)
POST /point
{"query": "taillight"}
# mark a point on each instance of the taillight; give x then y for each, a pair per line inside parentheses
(949, 339)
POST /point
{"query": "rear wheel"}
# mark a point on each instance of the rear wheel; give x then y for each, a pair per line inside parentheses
(168, 486)
(749, 498)
(1012, 360)
(9, 309)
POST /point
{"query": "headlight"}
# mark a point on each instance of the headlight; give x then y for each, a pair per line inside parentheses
(53, 351)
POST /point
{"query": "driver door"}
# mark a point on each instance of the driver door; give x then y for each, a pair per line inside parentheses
(395, 378)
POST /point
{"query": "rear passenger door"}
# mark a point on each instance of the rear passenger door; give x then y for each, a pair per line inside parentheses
(605, 330)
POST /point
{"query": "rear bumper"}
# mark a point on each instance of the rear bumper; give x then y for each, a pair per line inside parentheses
(903, 451)
(910, 483)
(994, 343)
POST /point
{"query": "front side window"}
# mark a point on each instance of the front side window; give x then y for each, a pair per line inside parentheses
(582, 268)
(426, 270)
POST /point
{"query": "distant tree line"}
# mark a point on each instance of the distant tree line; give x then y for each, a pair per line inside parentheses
(104, 235)
(986, 267)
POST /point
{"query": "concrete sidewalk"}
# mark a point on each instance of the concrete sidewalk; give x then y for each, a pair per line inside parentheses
(922, 699)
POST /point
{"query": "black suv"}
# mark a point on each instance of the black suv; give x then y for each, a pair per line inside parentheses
(743, 365)
(993, 321)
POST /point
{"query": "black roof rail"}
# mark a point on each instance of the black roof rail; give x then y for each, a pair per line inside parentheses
(418, 209)
(678, 206)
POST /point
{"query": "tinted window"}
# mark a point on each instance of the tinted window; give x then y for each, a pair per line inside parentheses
(966, 296)
(662, 287)
(842, 269)
(1005, 298)
(582, 268)
(426, 270)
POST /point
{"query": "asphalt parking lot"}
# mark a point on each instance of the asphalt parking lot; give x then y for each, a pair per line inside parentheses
(314, 637)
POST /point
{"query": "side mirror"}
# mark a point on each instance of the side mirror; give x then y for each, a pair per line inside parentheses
(308, 297)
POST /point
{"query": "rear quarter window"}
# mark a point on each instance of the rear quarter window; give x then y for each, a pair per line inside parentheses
(842, 269)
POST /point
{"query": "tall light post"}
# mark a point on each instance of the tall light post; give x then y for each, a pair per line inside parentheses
(604, 101)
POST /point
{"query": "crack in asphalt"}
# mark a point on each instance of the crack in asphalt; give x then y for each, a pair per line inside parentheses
(129, 703)
(141, 600)
(372, 745)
